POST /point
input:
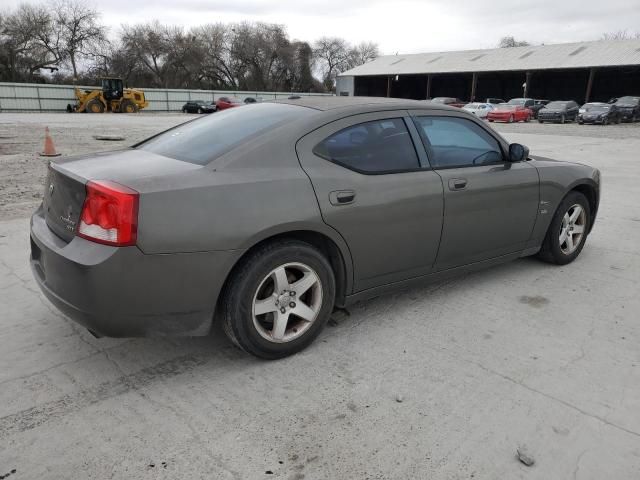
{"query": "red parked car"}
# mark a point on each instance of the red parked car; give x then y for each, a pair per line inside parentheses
(510, 113)
(228, 102)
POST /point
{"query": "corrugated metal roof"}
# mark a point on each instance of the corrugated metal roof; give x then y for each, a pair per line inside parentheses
(543, 57)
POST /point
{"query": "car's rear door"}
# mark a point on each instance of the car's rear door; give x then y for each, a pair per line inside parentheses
(373, 188)
(490, 204)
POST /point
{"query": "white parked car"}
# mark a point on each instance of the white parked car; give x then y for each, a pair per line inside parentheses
(480, 110)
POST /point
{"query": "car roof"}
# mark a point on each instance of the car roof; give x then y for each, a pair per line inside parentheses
(326, 103)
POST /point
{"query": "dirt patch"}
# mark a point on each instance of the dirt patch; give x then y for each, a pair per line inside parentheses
(535, 302)
(22, 172)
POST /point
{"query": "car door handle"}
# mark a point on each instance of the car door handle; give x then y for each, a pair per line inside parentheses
(457, 184)
(342, 197)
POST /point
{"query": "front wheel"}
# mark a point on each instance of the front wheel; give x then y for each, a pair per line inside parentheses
(511, 119)
(563, 119)
(568, 230)
(279, 299)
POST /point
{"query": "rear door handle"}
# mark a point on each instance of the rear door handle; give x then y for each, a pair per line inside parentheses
(342, 197)
(457, 184)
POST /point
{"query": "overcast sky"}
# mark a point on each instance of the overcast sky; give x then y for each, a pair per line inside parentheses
(406, 26)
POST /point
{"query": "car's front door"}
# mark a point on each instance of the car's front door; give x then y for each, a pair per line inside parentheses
(490, 203)
(373, 188)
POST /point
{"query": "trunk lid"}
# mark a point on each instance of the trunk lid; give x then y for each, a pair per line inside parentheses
(65, 190)
(62, 202)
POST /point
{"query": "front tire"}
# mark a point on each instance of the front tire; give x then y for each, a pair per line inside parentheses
(511, 119)
(568, 231)
(278, 299)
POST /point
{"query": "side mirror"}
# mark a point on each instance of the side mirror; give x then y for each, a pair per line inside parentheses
(518, 153)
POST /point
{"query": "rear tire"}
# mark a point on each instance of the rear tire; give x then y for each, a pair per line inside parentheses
(94, 106)
(267, 281)
(566, 235)
(127, 106)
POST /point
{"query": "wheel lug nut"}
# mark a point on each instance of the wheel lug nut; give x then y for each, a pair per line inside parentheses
(293, 294)
(292, 305)
(283, 310)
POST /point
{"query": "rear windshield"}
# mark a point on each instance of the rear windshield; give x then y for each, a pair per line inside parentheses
(628, 101)
(596, 108)
(557, 105)
(203, 140)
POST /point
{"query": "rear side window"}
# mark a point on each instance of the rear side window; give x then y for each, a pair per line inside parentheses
(201, 141)
(380, 146)
(457, 142)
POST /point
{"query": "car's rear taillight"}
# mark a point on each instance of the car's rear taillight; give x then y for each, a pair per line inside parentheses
(109, 214)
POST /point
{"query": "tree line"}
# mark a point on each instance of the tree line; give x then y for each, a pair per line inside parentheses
(67, 39)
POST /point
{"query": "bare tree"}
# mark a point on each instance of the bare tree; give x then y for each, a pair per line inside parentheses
(620, 35)
(28, 42)
(510, 41)
(251, 56)
(78, 28)
(149, 44)
(332, 55)
(362, 53)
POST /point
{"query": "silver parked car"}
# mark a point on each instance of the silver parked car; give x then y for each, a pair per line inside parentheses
(480, 110)
(269, 217)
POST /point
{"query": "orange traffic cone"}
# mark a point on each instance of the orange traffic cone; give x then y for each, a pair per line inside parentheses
(49, 148)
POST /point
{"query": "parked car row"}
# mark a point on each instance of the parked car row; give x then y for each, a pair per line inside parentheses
(200, 106)
(623, 109)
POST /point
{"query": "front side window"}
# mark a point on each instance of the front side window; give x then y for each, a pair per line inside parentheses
(380, 146)
(457, 142)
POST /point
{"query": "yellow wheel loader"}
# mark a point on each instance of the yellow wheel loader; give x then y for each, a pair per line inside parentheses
(113, 97)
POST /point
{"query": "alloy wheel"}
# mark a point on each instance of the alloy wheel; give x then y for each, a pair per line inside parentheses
(572, 229)
(287, 302)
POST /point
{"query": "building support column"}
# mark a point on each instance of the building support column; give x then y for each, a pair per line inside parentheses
(592, 74)
(388, 85)
(474, 82)
(429, 86)
(527, 84)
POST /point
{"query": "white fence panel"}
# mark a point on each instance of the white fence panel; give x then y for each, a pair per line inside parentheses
(30, 97)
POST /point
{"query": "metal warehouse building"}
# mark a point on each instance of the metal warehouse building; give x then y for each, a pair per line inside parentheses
(586, 71)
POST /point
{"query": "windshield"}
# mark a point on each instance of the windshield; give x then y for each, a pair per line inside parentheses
(517, 101)
(628, 100)
(505, 106)
(556, 105)
(203, 140)
(473, 105)
(441, 100)
(596, 108)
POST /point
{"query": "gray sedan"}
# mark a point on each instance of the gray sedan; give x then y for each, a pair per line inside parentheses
(270, 216)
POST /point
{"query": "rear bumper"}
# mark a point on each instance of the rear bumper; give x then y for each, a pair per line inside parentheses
(122, 292)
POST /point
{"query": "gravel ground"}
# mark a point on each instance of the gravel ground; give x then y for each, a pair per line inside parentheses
(448, 381)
